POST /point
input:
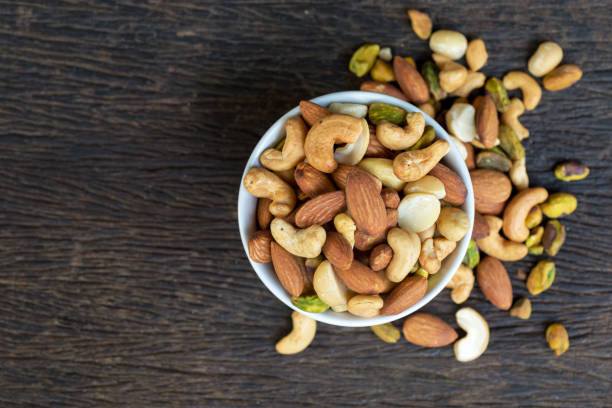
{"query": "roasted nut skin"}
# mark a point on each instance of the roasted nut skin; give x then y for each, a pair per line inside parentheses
(311, 304)
(557, 338)
(554, 237)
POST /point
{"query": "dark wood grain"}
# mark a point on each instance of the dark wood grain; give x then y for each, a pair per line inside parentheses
(124, 126)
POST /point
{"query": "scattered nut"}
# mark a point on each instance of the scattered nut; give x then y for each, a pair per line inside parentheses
(562, 77)
(452, 76)
(421, 23)
(554, 237)
(476, 341)
(385, 54)
(557, 338)
(532, 93)
(492, 160)
(516, 212)
(548, 55)
(518, 174)
(451, 44)
(410, 81)
(418, 211)
(510, 143)
(559, 205)
(365, 305)
(498, 247)
(406, 247)
(541, 277)
(494, 282)
(534, 217)
(510, 118)
(428, 330)
(430, 72)
(535, 237)
(496, 90)
(453, 223)
(412, 165)
(571, 170)
(387, 332)
(382, 71)
(476, 54)
(461, 284)
(363, 59)
(310, 304)
(536, 250)
(461, 122)
(521, 309)
(304, 330)
(263, 183)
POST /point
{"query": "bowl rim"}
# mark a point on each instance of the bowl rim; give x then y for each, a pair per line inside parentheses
(435, 285)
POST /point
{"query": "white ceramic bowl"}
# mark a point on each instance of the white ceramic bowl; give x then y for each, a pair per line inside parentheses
(247, 207)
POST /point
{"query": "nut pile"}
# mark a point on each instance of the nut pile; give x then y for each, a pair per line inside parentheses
(349, 202)
(484, 123)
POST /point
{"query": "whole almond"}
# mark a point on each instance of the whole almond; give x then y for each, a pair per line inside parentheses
(312, 181)
(339, 176)
(380, 257)
(470, 160)
(259, 246)
(490, 186)
(376, 149)
(312, 113)
(365, 242)
(338, 250)
(320, 210)
(404, 295)
(361, 279)
(455, 189)
(288, 269)
(481, 227)
(410, 81)
(365, 204)
(495, 282)
(264, 216)
(428, 330)
(487, 122)
(383, 88)
(390, 197)
(487, 208)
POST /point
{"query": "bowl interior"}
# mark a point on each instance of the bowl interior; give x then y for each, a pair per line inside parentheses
(247, 208)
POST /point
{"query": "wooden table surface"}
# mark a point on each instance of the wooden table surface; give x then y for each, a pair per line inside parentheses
(124, 129)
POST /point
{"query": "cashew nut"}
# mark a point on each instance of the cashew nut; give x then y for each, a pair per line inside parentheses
(461, 284)
(329, 288)
(320, 140)
(418, 211)
(474, 80)
(461, 121)
(476, 341)
(476, 54)
(406, 249)
(306, 242)
(516, 212)
(382, 169)
(365, 305)
(510, 118)
(352, 153)
(532, 93)
(518, 174)
(304, 330)
(412, 165)
(497, 246)
(433, 252)
(345, 225)
(263, 183)
(427, 184)
(395, 138)
(428, 233)
(452, 76)
(453, 223)
(293, 149)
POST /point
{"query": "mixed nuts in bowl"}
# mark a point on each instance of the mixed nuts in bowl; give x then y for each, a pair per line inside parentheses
(355, 208)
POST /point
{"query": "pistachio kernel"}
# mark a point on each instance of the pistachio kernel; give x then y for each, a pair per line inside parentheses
(496, 89)
(557, 338)
(521, 309)
(311, 304)
(387, 332)
(571, 170)
(534, 217)
(541, 277)
(363, 59)
(472, 255)
(536, 250)
(554, 237)
(535, 236)
(558, 205)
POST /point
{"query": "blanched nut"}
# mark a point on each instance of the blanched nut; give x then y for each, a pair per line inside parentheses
(418, 211)
(532, 93)
(474, 80)
(461, 121)
(406, 249)
(426, 184)
(352, 153)
(306, 243)
(453, 223)
(476, 341)
(452, 76)
(304, 330)
(451, 44)
(263, 183)
(320, 140)
(476, 54)
(516, 212)
(345, 225)
(510, 118)
(433, 252)
(365, 305)
(461, 284)
(548, 55)
(382, 169)
(329, 288)
(293, 148)
(498, 247)
(396, 138)
(412, 165)
(518, 174)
